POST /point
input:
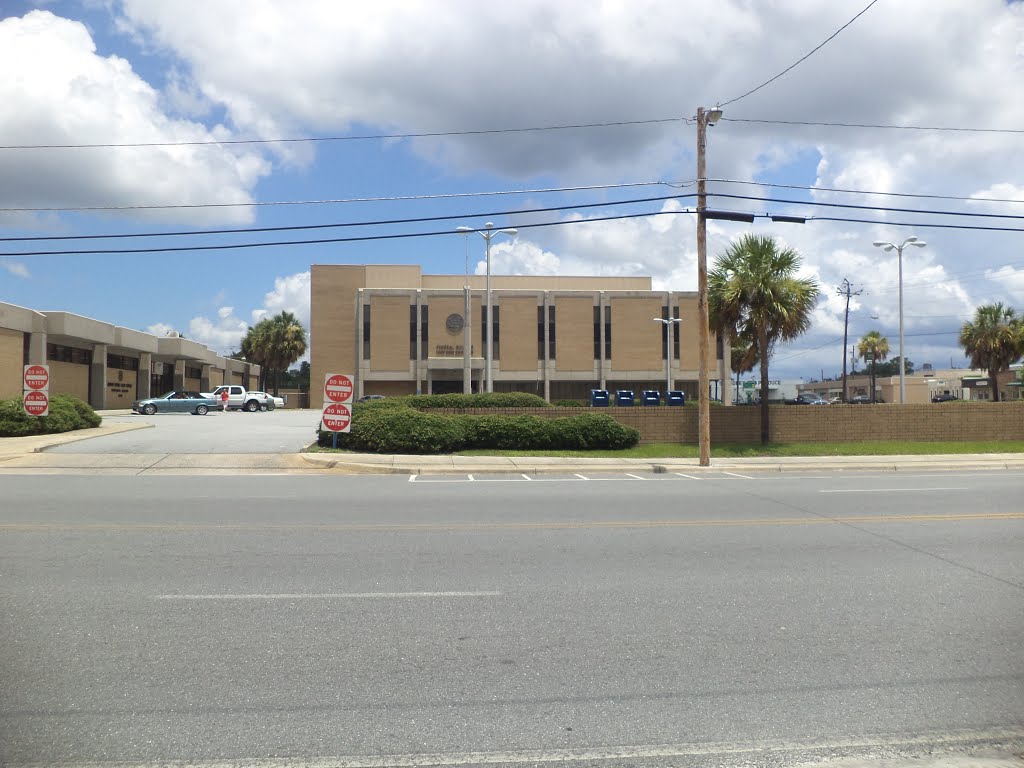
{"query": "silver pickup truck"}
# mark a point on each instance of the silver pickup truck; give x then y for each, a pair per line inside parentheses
(241, 400)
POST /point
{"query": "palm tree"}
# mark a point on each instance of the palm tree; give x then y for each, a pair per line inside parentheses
(754, 291)
(255, 347)
(874, 347)
(287, 343)
(993, 340)
(743, 356)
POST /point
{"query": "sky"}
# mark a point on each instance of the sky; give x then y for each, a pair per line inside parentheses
(367, 80)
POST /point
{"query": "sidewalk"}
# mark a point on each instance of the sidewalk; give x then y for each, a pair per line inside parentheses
(367, 463)
(11, 447)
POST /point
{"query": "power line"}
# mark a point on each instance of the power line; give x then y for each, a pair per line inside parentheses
(868, 192)
(372, 223)
(882, 126)
(358, 137)
(885, 209)
(803, 58)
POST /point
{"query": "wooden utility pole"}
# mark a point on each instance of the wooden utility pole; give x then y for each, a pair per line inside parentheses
(846, 289)
(703, 325)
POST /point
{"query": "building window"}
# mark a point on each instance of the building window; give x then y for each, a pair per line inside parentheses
(496, 334)
(540, 333)
(608, 333)
(551, 332)
(412, 332)
(597, 333)
(424, 324)
(719, 346)
(366, 331)
(63, 354)
(675, 336)
(664, 334)
(191, 372)
(125, 363)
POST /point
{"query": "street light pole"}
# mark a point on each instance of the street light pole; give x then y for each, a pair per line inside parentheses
(487, 234)
(668, 351)
(704, 118)
(887, 246)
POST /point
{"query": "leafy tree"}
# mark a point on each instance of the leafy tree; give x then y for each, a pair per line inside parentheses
(993, 340)
(274, 344)
(873, 347)
(892, 367)
(753, 290)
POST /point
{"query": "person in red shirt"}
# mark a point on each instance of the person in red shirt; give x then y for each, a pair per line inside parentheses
(224, 399)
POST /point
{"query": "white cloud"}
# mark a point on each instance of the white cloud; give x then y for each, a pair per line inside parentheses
(16, 268)
(290, 294)
(223, 335)
(58, 90)
(160, 329)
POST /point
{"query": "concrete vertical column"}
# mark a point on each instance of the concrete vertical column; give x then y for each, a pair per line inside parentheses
(144, 379)
(179, 376)
(37, 348)
(726, 373)
(547, 346)
(204, 378)
(418, 365)
(600, 325)
(98, 377)
(357, 369)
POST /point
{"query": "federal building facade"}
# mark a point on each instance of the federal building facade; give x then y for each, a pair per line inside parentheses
(106, 365)
(402, 332)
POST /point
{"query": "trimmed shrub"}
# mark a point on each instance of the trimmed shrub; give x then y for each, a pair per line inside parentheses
(67, 413)
(572, 403)
(405, 430)
(482, 400)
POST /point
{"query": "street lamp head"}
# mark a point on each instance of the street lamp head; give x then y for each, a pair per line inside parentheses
(883, 245)
(488, 225)
(713, 115)
(919, 243)
(464, 229)
(511, 231)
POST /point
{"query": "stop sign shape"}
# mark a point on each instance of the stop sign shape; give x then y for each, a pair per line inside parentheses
(37, 377)
(37, 403)
(338, 388)
(337, 418)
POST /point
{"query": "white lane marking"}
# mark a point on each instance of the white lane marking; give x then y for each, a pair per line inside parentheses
(471, 478)
(581, 477)
(736, 474)
(584, 754)
(635, 477)
(888, 490)
(326, 596)
(527, 477)
(691, 477)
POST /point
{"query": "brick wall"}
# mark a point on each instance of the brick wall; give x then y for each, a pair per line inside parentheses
(809, 424)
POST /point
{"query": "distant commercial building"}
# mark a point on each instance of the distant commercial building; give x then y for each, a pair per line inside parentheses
(106, 365)
(402, 332)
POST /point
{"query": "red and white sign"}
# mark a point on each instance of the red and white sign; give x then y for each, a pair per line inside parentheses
(337, 418)
(338, 388)
(37, 378)
(37, 403)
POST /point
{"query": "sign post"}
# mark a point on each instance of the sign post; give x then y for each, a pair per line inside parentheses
(36, 383)
(338, 393)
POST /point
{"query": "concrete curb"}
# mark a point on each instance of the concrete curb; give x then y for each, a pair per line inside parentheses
(13, 447)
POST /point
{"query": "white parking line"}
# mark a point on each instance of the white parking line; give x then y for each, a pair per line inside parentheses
(635, 477)
(581, 477)
(691, 477)
(527, 477)
(736, 474)
(471, 478)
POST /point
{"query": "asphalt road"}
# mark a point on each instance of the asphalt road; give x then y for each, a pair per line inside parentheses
(280, 431)
(664, 621)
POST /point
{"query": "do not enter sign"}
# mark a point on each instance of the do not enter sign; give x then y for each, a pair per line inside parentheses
(37, 403)
(337, 418)
(338, 388)
(37, 377)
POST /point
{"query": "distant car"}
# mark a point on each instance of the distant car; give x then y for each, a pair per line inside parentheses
(267, 401)
(944, 398)
(176, 402)
(863, 400)
(808, 398)
(368, 398)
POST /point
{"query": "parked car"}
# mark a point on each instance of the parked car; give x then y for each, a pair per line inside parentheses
(176, 402)
(267, 401)
(863, 400)
(944, 398)
(808, 398)
(368, 398)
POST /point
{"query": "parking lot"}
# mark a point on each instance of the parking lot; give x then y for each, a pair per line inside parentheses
(280, 431)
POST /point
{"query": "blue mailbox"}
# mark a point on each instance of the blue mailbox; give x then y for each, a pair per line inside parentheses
(624, 397)
(652, 397)
(676, 397)
(599, 398)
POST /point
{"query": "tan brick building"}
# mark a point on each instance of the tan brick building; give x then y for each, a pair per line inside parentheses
(402, 332)
(106, 365)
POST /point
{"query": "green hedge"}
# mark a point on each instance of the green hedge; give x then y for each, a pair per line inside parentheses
(67, 413)
(483, 400)
(572, 403)
(397, 429)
